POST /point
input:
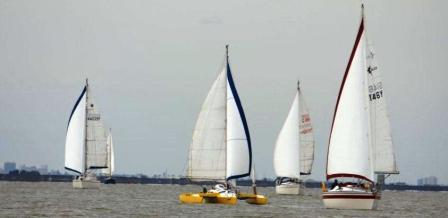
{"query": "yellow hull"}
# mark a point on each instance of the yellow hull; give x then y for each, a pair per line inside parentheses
(190, 198)
(253, 198)
(213, 198)
(219, 199)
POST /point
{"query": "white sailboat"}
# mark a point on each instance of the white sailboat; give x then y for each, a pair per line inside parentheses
(85, 145)
(221, 150)
(294, 149)
(110, 159)
(360, 144)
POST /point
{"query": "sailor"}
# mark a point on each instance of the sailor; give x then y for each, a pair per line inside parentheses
(335, 183)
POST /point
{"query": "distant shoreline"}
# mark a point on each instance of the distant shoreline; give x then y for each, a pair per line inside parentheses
(36, 177)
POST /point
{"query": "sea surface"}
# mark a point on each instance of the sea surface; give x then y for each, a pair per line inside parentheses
(24, 199)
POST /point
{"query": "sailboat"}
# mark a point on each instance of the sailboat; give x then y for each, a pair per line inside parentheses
(220, 150)
(360, 144)
(294, 149)
(110, 159)
(85, 145)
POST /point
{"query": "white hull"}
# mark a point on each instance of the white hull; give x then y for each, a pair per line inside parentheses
(350, 200)
(86, 183)
(288, 189)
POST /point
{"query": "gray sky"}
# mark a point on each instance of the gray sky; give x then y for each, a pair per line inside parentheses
(150, 65)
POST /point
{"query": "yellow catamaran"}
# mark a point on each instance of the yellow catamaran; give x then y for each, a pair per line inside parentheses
(221, 150)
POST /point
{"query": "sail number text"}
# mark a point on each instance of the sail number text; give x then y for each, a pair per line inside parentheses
(375, 91)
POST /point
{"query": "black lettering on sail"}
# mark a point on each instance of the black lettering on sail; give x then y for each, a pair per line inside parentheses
(376, 95)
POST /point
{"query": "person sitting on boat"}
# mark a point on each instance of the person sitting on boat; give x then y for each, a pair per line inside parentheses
(204, 190)
(219, 188)
(335, 184)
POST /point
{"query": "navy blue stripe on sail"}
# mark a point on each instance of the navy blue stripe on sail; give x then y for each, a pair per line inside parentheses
(98, 167)
(76, 104)
(76, 171)
(243, 119)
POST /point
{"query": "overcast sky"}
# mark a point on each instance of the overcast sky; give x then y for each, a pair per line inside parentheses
(151, 63)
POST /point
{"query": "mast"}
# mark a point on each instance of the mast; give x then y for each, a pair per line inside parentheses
(110, 152)
(225, 119)
(254, 179)
(85, 129)
(369, 120)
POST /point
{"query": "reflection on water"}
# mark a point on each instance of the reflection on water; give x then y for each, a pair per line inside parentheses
(60, 199)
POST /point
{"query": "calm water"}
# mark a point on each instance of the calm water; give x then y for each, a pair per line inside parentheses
(60, 199)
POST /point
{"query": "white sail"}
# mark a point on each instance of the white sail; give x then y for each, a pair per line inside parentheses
(349, 152)
(383, 152)
(239, 157)
(96, 137)
(286, 152)
(111, 155)
(220, 149)
(75, 139)
(306, 137)
(207, 152)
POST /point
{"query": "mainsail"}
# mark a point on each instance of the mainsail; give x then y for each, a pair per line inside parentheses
(96, 137)
(306, 137)
(383, 155)
(360, 141)
(220, 148)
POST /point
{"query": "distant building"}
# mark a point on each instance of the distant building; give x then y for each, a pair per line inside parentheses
(9, 166)
(28, 168)
(431, 180)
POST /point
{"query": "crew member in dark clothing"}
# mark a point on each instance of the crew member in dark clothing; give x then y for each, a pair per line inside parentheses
(335, 183)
